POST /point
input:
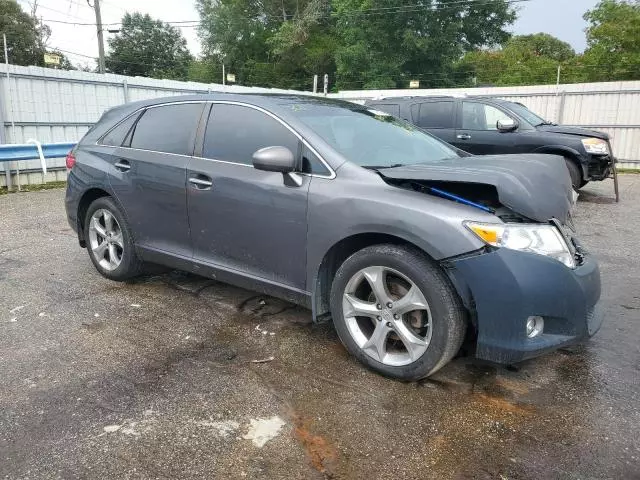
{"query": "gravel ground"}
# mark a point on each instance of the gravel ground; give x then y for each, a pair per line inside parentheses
(157, 378)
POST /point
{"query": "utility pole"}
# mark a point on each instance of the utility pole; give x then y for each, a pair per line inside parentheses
(96, 7)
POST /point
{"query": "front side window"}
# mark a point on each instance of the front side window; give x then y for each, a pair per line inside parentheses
(168, 128)
(527, 114)
(435, 115)
(369, 137)
(235, 132)
(478, 116)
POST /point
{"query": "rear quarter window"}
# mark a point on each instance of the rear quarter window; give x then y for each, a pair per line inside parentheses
(117, 135)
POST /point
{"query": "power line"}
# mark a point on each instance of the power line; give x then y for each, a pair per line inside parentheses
(403, 8)
(67, 14)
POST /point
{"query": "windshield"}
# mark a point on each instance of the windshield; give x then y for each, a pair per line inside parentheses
(371, 138)
(527, 114)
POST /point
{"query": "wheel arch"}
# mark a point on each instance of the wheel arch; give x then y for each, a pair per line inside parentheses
(88, 197)
(566, 152)
(337, 254)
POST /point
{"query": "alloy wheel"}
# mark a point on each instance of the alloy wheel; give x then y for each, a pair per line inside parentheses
(105, 239)
(387, 315)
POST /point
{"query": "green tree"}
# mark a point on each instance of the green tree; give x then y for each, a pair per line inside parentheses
(205, 71)
(522, 60)
(613, 41)
(384, 46)
(359, 43)
(26, 37)
(148, 48)
(279, 43)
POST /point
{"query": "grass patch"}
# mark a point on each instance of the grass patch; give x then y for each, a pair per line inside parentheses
(35, 187)
(629, 170)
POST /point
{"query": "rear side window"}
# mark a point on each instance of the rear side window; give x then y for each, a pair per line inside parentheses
(116, 137)
(168, 128)
(390, 108)
(234, 133)
(434, 115)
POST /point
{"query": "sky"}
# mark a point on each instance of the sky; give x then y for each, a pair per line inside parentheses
(561, 18)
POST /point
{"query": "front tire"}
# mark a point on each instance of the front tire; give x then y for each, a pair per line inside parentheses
(396, 311)
(110, 241)
(575, 173)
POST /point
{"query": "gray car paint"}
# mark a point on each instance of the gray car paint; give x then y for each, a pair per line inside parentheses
(271, 259)
(539, 188)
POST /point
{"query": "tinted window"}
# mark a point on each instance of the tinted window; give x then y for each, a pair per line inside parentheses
(369, 137)
(117, 135)
(435, 115)
(390, 108)
(169, 128)
(312, 164)
(234, 133)
(478, 116)
(527, 114)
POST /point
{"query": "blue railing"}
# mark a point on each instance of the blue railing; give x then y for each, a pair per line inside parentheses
(32, 150)
(29, 151)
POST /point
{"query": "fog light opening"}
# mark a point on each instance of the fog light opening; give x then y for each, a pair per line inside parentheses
(535, 326)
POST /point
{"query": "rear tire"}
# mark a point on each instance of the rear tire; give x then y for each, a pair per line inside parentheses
(412, 326)
(110, 241)
(575, 173)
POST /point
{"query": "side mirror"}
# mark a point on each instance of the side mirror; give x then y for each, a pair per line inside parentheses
(274, 159)
(506, 125)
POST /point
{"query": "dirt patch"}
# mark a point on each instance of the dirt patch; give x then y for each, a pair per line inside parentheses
(321, 453)
(502, 404)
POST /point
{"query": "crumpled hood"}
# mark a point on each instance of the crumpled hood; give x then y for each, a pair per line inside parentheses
(583, 132)
(536, 186)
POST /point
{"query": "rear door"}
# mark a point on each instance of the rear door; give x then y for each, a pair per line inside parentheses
(477, 131)
(437, 117)
(245, 221)
(148, 176)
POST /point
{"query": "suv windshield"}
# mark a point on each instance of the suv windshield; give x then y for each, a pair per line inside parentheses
(371, 138)
(527, 114)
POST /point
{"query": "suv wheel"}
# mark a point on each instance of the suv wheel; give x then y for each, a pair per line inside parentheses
(109, 241)
(396, 312)
(575, 173)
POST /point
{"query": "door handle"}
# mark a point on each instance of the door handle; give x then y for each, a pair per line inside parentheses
(463, 136)
(123, 166)
(201, 182)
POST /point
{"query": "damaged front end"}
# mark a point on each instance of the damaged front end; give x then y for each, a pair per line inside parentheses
(533, 288)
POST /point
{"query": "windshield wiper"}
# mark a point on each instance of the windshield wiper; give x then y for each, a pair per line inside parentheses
(380, 167)
(546, 122)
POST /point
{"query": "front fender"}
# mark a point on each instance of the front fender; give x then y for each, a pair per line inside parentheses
(566, 151)
(344, 207)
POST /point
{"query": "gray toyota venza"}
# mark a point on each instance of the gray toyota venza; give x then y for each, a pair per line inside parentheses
(409, 245)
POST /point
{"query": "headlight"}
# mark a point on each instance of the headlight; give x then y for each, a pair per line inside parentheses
(596, 146)
(541, 239)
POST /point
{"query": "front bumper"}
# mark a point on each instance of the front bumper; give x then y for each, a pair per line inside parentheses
(599, 166)
(507, 287)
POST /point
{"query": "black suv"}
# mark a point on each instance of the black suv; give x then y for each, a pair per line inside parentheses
(485, 126)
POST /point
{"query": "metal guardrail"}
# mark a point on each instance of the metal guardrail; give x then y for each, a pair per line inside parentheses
(32, 150)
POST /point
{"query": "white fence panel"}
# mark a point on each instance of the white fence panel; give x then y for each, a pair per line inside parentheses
(60, 106)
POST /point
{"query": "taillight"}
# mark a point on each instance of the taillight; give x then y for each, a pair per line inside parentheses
(70, 160)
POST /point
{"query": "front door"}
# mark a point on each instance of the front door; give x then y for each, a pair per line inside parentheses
(243, 220)
(149, 176)
(478, 133)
